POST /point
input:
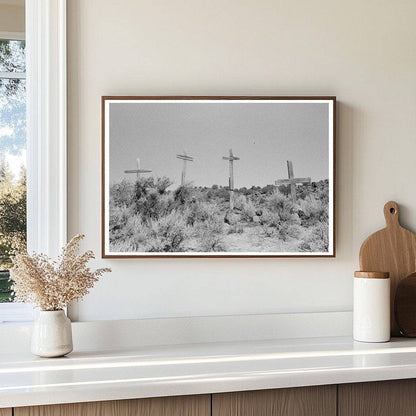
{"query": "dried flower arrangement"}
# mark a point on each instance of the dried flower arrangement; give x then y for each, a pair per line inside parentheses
(53, 285)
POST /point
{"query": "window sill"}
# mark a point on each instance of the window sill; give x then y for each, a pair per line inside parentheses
(157, 371)
(16, 313)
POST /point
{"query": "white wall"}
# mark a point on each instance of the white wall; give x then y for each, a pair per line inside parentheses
(361, 51)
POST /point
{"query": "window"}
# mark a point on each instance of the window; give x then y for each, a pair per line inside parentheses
(45, 91)
(12, 154)
(46, 126)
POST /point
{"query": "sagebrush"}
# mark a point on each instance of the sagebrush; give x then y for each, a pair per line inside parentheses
(149, 216)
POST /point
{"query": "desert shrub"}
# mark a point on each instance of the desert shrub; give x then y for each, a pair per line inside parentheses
(268, 230)
(280, 217)
(321, 190)
(232, 218)
(137, 229)
(119, 216)
(206, 213)
(131, 233)
(121, 193)
(319, 237)
(211, 243)
(246, 207)
(279, 203)
(316, 239)
(123, 222)
(314, 210)
(303, 191)
(157, 206)
(304, 246)
(145, 185)
(132, 243)
(268, 189)
(235, 229)
(274, 225)
(183, 195)
(207, 224)
(168, 233)
(151, 199)
(220, 193)
(210, 236)
(120, 246)
(284, 190)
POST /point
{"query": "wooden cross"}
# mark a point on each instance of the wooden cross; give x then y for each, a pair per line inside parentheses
(292, 181)
(137, 171)
(185, 159)
(231, 159)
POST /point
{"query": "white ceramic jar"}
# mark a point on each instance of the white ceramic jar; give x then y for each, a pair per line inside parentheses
(371, 313)
(52, 334)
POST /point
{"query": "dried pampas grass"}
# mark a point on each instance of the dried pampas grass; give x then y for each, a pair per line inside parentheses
(53, 285)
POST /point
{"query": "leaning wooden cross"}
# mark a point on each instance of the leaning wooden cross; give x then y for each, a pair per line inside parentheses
(292, 181)
(231, 159)
(137, 171)
(185, 159)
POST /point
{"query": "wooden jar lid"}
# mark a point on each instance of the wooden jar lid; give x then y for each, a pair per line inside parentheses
(372, 275)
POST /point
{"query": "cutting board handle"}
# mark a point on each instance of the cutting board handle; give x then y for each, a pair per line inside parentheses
(391, 214)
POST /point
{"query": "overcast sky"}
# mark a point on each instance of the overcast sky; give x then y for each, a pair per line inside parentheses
(263, 135)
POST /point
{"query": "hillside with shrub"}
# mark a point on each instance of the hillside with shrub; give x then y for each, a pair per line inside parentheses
(149, 216)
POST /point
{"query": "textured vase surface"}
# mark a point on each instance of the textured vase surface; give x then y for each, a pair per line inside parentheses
(52, 334)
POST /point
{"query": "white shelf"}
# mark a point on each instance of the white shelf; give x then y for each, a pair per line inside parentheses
(151, 371)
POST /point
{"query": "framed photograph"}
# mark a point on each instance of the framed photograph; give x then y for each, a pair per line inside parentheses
(218, 176)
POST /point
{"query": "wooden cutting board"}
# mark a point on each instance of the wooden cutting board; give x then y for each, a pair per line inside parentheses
(405, 306)
(393, 250)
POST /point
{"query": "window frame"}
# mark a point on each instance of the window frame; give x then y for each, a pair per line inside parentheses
(46, 137)
(12, 35)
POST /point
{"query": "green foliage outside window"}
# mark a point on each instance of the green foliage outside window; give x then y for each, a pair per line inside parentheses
(12, 223)
(12, 145)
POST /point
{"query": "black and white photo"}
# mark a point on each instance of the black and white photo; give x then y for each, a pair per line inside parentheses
(218, 176)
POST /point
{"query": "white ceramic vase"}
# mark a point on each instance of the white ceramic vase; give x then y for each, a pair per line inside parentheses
(52, 334)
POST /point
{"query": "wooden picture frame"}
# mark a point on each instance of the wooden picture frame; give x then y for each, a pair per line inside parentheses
(195, 213)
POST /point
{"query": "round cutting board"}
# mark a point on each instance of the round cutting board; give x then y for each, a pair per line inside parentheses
(393, 250)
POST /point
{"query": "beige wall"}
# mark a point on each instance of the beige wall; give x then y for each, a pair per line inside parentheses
(361, 51)
(12, 18)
